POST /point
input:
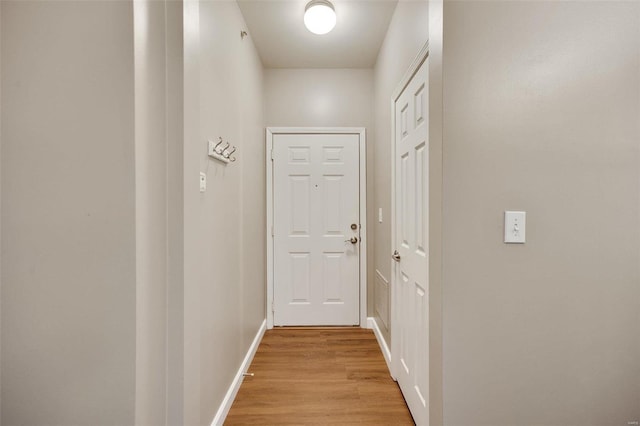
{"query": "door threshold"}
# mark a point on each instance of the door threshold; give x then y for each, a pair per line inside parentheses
(314, 327)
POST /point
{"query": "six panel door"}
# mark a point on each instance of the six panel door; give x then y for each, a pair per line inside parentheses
(410, 338)
(315, 203)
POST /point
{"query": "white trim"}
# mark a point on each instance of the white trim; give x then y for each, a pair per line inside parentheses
(227, 402)
(415, 65)
(386, 323)
(269, 226)
(408, 75)
(363, 208)
(364, 241)
(316, 130)
(373, 325)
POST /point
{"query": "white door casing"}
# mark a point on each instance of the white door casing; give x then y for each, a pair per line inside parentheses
(410, 325)
(314, 200)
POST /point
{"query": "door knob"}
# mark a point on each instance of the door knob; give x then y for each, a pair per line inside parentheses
(351, 240)
(396, 256)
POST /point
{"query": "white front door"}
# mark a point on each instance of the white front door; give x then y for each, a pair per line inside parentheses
(410, 334)
(316, 248)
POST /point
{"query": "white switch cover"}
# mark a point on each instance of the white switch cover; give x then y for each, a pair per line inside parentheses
(514, 227)
(203, 182)
(380, 215)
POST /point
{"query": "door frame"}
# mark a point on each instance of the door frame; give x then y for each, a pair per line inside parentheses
(420, 58)
(361, 132)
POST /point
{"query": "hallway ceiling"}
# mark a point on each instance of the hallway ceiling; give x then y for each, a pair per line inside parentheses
(279, 34)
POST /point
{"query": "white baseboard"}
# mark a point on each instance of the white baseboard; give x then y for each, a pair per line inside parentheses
(372, 324)
(227, 402)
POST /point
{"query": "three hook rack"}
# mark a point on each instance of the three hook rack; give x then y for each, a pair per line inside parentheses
(222, 151)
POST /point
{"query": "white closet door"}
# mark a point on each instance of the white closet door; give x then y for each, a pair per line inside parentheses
(410, 335)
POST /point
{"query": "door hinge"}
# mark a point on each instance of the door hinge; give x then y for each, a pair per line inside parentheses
(273, 307)
(272, 155)
(272, 234)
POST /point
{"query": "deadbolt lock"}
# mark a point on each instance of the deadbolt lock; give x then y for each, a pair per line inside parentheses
(354, 226)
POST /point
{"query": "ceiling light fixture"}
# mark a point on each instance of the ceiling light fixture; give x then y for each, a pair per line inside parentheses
(319, 16)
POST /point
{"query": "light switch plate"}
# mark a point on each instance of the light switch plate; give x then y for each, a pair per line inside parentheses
(203, 182)
(515, 227)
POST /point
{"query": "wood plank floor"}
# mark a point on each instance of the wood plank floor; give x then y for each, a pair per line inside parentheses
(319, 377)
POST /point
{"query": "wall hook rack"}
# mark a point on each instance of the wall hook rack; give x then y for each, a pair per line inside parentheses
(222, 152)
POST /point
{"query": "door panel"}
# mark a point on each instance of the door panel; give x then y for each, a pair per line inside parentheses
(299, 187)
(300, 268)
(316, 199)
(411, 298)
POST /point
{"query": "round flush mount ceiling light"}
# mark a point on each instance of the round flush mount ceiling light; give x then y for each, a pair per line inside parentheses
(319, 16)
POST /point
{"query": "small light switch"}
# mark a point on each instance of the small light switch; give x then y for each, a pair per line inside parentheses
(514, 227)
(380, 215)
(203, 182)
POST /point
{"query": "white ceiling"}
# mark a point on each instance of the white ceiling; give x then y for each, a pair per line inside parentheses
(277, 29)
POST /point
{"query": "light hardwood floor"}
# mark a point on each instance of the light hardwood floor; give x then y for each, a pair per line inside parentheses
(319, 377)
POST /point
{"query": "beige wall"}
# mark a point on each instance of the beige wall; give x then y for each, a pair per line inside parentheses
(147, 73)
(327, 97)
(541, 113)
(0, 215)
(68, 213)
(318, 97)
(128, 295)
(408, 32)
(158, 146)
(435, 210)
(151, 215)
(174, 17)
(224, 306)
(253, 189)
